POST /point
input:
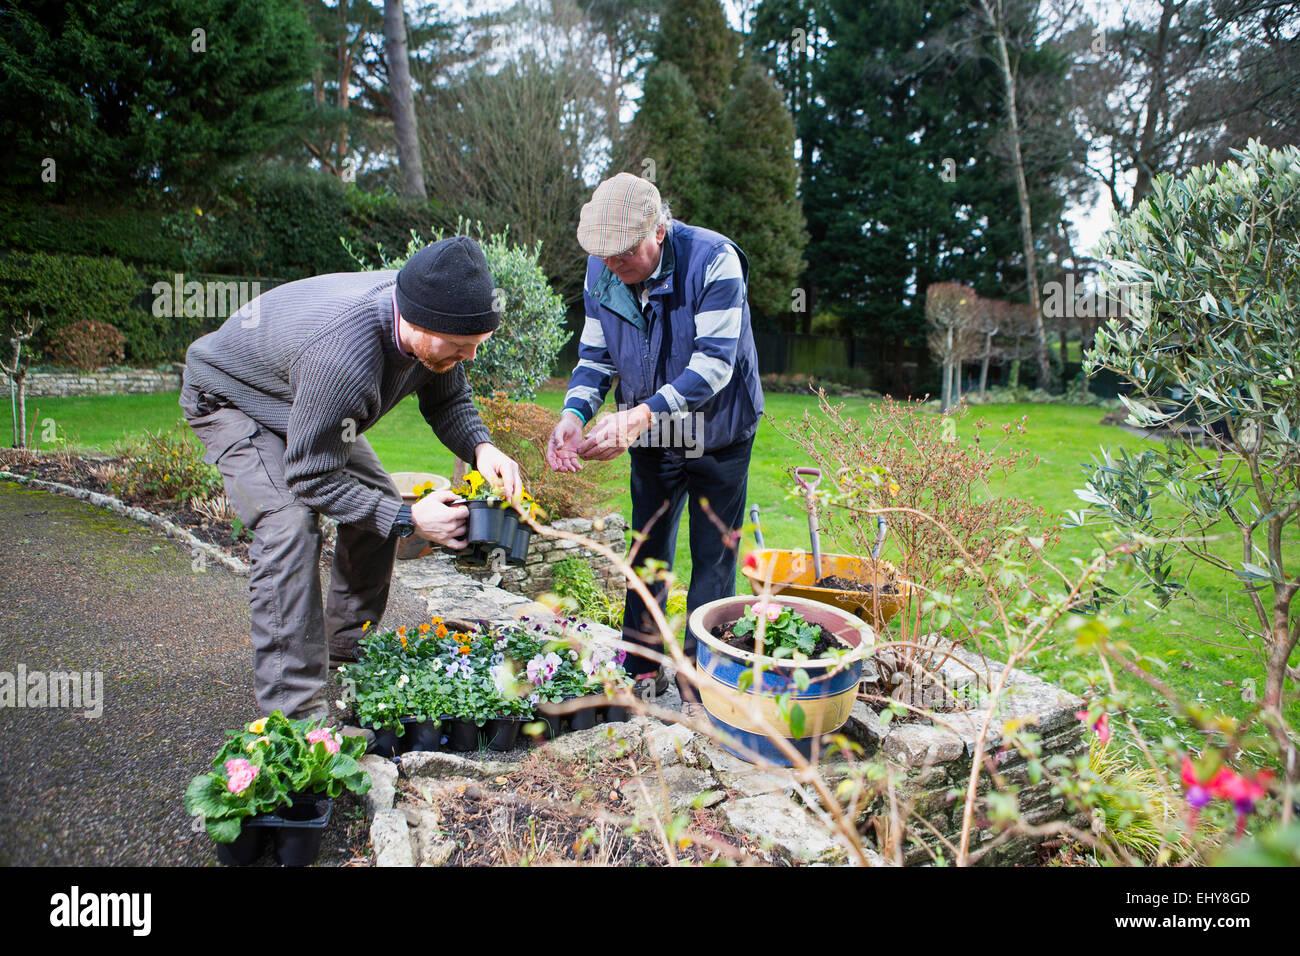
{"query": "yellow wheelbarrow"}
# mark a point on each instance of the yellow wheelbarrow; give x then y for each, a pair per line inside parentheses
(865, 586)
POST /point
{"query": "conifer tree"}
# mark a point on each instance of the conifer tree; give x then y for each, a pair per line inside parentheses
(674, 136)
(752, 179)
(694, 35)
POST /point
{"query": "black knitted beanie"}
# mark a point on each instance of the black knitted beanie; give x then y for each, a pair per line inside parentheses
(446, 287)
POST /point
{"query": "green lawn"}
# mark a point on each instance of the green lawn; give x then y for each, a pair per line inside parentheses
(1198, 649)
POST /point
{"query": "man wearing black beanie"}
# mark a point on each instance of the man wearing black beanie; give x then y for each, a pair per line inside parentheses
(280, 396)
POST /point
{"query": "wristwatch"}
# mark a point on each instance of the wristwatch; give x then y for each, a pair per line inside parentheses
(403, 524)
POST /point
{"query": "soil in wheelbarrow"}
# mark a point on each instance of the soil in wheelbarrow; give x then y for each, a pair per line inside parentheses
(837, 583)
(723, 632)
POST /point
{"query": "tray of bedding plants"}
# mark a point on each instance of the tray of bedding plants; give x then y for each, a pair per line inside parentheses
(470, 686)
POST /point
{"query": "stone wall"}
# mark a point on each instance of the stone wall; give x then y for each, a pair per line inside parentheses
(537, 575)
(934, 758)
(119, 381)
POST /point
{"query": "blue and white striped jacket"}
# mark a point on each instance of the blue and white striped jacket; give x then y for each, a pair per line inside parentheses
(691, 350)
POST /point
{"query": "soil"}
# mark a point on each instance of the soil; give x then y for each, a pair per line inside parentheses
(838, 583)
(80, 473)
(723, 632)
(553, 813)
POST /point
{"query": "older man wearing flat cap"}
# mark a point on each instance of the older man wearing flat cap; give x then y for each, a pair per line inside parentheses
(280, 396)
(666, 312)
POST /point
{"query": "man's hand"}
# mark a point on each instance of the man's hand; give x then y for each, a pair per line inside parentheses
(438, 520)
(500, 470)
(613, 434)
(562, 448)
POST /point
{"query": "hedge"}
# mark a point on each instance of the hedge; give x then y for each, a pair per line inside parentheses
(286, 224)
(62, 289)
(68, 263)
(131, 233)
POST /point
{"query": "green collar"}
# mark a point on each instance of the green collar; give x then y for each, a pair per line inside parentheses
(611, 292)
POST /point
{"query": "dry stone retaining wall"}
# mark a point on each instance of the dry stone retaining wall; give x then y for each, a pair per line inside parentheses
(537, 575)
(935, 758)
(117, 381)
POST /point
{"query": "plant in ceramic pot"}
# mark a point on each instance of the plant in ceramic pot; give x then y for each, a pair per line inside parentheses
(797, 662)
(275, 777)
(414, 486)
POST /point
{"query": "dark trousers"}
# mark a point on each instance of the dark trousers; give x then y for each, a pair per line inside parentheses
(719, 478)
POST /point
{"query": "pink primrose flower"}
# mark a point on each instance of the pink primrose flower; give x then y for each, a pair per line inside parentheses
(241, 774)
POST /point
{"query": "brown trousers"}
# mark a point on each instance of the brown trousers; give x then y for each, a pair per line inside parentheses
(292, 638)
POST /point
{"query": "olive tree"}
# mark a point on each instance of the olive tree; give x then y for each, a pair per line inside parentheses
(1207, 268)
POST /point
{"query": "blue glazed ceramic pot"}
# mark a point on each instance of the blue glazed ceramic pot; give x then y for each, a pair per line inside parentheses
(826, 702)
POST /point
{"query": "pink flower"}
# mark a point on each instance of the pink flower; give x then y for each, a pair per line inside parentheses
(772, 611)
(241, 774)
(1100, 726)
(1200, 792)
(323, 736)
(541, 669)
(1243, 793)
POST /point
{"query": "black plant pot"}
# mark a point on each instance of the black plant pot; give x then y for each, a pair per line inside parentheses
(387, 744)
(485, 519)
(462, 735)
(301, 828)
(615, 713)
(509, 525)
(423, 735)
(583, 719)
(296, 832)
(245, 849)
(502, 732)
(519, 552)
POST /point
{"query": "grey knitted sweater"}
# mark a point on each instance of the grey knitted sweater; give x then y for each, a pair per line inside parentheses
(316, 362)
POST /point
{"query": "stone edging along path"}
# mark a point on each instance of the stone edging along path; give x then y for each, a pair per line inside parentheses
(116, 505)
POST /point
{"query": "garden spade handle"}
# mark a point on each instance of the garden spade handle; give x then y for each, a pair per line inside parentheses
(808, 479)
(881, 527)
(758, 532)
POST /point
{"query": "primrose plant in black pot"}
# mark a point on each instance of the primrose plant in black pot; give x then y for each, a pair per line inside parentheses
(274, 781)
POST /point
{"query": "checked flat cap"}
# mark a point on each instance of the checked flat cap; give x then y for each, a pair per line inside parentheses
(623, 211)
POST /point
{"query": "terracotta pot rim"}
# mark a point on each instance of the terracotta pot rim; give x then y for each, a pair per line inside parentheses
(417, 478)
